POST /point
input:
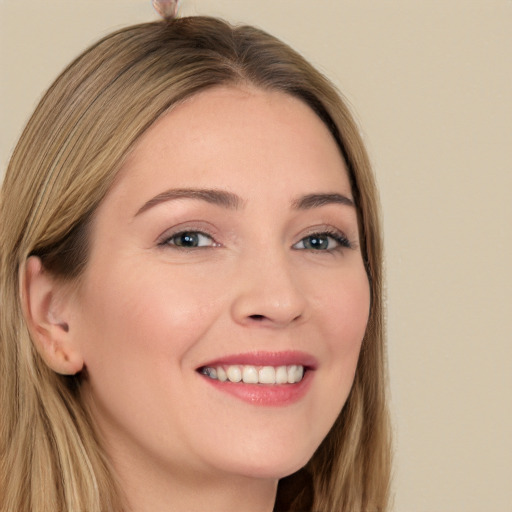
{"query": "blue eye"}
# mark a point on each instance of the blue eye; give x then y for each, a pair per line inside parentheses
(322, 242)
(189, 240)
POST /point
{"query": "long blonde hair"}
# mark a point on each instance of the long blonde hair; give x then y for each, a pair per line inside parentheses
(64, 163)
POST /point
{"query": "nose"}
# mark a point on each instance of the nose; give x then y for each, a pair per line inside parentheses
(267, 293)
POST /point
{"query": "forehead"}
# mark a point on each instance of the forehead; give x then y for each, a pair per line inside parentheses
(242, 139)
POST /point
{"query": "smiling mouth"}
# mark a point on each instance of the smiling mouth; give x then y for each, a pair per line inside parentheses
(249, 374)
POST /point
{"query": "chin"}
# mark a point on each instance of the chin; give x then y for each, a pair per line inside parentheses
(269, 460)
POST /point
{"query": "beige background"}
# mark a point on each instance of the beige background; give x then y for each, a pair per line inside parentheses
(430, 82)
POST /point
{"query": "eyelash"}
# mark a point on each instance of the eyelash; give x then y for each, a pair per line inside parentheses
(167, 241)
(339, 238)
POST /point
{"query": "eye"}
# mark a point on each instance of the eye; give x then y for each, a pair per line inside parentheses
(189, 240)
(323, 242)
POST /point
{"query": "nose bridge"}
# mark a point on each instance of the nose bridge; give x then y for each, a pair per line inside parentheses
(267, 290)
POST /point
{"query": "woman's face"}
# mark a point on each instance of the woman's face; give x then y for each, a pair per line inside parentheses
(227, 249)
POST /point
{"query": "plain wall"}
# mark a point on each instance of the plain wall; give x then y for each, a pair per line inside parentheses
(430, 83)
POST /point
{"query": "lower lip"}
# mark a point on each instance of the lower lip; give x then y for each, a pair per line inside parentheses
(277, 395)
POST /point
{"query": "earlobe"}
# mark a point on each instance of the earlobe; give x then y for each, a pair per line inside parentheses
(46, 309)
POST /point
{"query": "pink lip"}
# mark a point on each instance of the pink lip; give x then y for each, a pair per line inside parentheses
(265, 394)
(267, 359)
(277, 395)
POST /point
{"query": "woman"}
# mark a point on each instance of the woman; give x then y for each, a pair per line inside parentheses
(191, 309)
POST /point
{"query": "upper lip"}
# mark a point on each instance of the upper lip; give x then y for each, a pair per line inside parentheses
(283, 358)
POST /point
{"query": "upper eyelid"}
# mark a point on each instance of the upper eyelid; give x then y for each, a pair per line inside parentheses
(166, 238)
(330, 230)
(340, 238)
(325, 229)
(192, 227)
(211, 241)
(205, 228)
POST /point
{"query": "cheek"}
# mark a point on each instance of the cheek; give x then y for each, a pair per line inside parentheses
(341, 310)
(344, 311)
(136, 333)
(140, 316)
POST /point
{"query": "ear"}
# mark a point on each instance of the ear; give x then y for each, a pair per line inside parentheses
(46, 305)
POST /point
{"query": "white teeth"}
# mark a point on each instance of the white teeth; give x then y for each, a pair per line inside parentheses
(250, 374)
(298, 373)
(295, 373)
(291, 370)
(281, 375)
(221, 374)
(267, 375)
(234, 373)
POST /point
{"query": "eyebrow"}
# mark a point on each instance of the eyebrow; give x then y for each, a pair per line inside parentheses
(212, 196)
(234, 202)
(316, 200)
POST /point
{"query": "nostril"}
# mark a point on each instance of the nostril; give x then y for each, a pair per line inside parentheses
(257, 317)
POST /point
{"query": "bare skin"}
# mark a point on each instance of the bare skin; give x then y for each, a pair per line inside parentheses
(228, 237)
